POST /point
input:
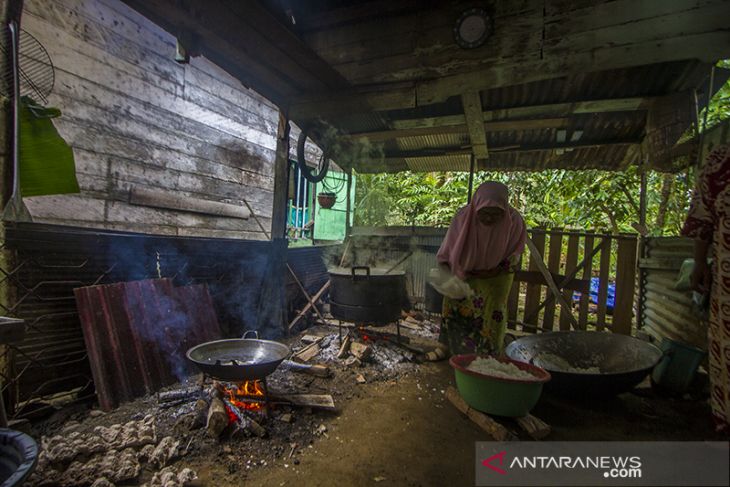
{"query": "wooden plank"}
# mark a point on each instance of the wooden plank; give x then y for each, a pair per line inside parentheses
(314, 401)
(603, 284)
(472, 105)
(532, 295)
(498, 126)
(554, 254)
(566, 312)
(554, 111)
(565, 282)
(587, 274)
(533, 426)
(484, 421)
(552, 286)
(217, 38)
(625, 283)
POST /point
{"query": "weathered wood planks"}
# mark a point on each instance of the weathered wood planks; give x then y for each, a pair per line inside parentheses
(136, 117)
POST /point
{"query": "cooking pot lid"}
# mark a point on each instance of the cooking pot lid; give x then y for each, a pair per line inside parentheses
(374, 271)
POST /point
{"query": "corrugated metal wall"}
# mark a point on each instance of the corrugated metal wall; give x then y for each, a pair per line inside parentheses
(664, 311)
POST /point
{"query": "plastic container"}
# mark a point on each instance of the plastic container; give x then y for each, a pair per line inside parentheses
(496, 395)
(18, 457)
(677, 368)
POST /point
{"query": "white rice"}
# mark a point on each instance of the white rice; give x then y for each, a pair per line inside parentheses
(551, 361)
(495, 368)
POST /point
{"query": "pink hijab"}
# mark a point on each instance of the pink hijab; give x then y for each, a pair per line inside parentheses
(471, 246)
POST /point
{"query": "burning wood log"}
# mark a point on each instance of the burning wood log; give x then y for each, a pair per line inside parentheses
(484, 421)
(244, 422)
(217, 418)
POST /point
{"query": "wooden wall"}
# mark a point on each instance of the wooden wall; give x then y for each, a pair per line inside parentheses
(135, 117)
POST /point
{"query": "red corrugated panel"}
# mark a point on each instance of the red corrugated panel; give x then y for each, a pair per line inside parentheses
(137, 334)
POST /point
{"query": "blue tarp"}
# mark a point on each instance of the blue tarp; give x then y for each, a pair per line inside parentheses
(611, 299)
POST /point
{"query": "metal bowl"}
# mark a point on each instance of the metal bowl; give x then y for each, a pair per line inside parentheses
(623, 361)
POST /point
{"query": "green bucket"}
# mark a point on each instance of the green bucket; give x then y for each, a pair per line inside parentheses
(497, 395)
(677, 368)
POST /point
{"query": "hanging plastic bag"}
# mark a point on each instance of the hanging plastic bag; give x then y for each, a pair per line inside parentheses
(449, 285)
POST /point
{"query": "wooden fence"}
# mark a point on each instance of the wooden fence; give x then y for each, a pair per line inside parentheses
(567, 262)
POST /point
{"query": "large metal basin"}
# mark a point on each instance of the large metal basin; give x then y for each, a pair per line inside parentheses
(623, 361)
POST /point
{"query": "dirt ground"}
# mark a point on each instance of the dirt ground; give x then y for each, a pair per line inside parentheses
(406, 433)
(396, 429)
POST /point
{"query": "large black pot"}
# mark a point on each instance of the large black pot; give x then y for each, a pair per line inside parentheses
(623, 361)
(366, 295)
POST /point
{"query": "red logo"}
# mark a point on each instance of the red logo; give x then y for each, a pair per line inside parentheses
(487, 463)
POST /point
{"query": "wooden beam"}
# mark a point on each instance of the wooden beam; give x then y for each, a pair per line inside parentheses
(509, 148)
(500, 126)
(472, 105)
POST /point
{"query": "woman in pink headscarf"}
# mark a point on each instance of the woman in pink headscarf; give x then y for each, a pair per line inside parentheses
(482, 247)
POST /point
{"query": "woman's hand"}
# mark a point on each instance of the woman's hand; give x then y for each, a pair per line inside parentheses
(701, 276)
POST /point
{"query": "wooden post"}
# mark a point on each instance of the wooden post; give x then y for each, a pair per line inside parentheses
(642, 198)
(281, 174)
(348, 223)
(9, 10)
(471, 177)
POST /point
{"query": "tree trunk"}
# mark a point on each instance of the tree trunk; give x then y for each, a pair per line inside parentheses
(666, 192)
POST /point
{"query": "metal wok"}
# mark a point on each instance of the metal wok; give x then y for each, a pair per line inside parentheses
(238, 359)
(623, 361)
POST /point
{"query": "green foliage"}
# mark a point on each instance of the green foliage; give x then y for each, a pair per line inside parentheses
(719, 108)
(594, 200)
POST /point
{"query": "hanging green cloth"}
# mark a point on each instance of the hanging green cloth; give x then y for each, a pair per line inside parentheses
(46, 161)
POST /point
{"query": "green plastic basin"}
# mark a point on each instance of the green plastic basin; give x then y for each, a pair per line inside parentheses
(497, 395)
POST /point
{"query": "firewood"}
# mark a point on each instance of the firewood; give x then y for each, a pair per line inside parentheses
(188, 393)
(217, 418)
(316, 370)
(200, 413)
(246, 422)
(345, 347)
(310, 338)
(315, 401)
(535, 427)
(307, 352)
(360, 351)
(484, 421)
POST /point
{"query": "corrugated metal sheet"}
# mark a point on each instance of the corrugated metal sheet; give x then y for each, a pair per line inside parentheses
(137, 333)
(443, 163)
(665, 312)
(649, 80)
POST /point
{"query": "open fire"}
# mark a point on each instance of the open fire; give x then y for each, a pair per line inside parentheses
(248, 395)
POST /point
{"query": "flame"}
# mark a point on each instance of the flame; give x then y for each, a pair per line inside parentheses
(241, 394)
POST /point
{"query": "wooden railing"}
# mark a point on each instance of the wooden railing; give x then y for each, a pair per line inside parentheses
(570, 259)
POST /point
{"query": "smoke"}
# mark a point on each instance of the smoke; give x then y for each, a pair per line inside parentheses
(235, 273)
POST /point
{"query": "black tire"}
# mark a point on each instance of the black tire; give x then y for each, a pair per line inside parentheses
(301, 162)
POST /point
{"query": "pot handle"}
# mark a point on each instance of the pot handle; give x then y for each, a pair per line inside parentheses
(360, 267)
(255, 333)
